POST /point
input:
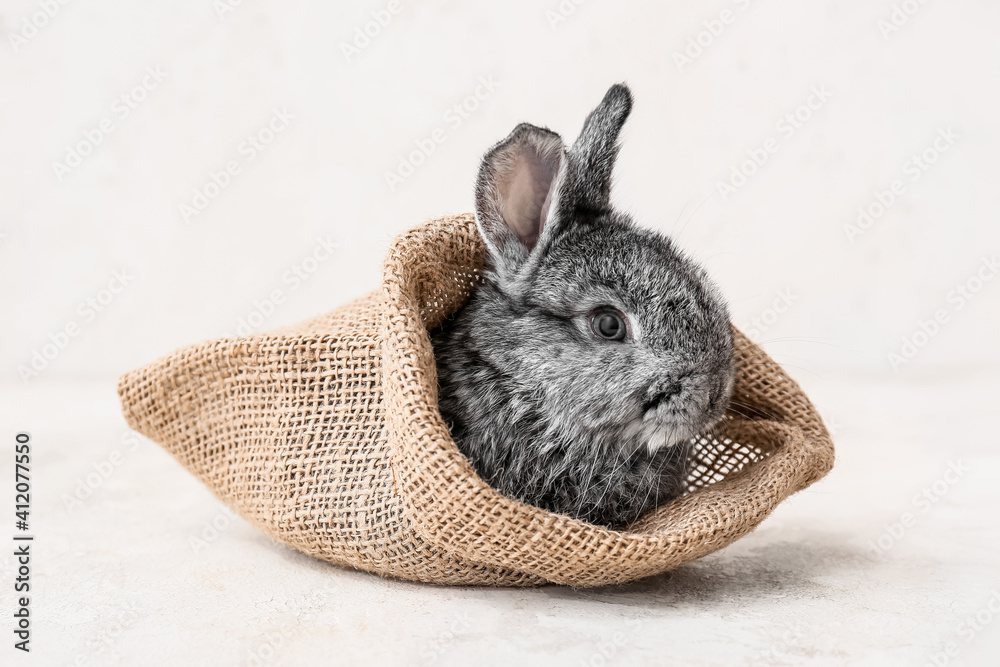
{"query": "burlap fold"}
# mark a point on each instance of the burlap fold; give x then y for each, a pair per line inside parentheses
(327, 437)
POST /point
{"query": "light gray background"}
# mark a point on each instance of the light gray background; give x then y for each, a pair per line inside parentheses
(831, 307)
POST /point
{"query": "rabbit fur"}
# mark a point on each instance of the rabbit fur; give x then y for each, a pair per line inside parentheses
(548, 409)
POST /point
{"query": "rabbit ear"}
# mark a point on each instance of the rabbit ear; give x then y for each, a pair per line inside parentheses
(594, 152)
(516, 193)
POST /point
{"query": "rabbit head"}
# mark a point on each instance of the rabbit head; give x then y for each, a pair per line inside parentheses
(591, 342)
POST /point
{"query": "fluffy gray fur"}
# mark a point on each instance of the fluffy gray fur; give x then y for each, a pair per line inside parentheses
(547, 411)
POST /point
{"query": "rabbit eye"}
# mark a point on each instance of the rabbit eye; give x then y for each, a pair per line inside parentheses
(609, 325)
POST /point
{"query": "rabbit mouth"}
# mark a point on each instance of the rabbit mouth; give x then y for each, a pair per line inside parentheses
(675, 412)
(664, 436)
(661, 427)
(655, 432)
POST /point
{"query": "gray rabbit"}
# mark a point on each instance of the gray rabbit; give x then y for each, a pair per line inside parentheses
(593, 351)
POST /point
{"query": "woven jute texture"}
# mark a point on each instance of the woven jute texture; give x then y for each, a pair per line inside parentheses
(327, 437)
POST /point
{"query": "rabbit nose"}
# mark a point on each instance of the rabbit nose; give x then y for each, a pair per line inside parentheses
(663, 393)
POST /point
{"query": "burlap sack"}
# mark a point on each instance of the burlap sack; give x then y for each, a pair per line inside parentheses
(326, 436)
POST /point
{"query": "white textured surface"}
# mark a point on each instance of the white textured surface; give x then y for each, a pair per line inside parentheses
(117, 579)
(324, 173)
(124, 555)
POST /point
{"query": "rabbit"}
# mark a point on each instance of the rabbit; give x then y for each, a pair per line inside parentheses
(592, 351)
